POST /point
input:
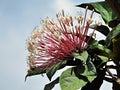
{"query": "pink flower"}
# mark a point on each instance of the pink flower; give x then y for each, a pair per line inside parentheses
(56, 41)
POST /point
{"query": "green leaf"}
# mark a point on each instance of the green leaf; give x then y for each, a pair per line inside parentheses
(104, 48)
(51, 71)
(102, 8)
(81, 56)
(90, 71)
(52, 84)
(103, 58)
(114, 23)
(35, 71)
(114, 32)
(93, 44)
(69, 80)
(102, 29)
(100, 48)
(105, 11)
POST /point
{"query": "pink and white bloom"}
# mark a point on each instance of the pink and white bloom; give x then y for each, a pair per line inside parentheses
(56, 41)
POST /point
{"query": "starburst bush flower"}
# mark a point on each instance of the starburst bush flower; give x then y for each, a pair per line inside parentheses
(56, 41)
(61, 43)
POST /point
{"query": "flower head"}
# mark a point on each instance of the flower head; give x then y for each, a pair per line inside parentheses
(56, 41)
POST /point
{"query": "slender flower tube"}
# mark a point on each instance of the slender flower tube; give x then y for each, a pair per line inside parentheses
(56, 41)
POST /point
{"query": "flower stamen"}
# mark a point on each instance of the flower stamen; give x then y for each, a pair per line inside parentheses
(55, 42)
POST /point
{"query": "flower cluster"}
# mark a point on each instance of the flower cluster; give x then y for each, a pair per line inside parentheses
(56, 41)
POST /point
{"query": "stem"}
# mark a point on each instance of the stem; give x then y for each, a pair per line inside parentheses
(115, 78)
(116, 84)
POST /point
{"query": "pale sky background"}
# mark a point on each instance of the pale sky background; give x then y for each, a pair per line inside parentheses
(17, 20)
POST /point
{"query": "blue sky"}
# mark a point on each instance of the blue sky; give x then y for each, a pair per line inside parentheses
(17, 20)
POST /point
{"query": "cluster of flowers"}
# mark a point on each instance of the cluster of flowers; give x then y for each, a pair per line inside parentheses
(56, 41)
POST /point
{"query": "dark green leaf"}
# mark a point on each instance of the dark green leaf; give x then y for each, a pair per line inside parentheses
(52, 84)
(102, 8)
(51, 71)
(81, 56)
(90, 71)
(102, 29)
(69, 80)
(115, 32)
(100, 48)
(103, 58)
(103, 48)
(84, 5)
(93, 44)
(114, 23)
(35, 71)
(102, 42)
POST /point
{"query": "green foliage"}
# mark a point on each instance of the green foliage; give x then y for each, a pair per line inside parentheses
(51, 71)
(35, 71)
(103, 58)
(102, 8)
(90, 71)
(100, 48)
(51, 85)
(77, 77)
(104, 49)
(70, 81)
(114, 33)
(102, 29)
(81, 56)
(105, 11)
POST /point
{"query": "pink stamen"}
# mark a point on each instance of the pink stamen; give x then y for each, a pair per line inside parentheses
(57, 41)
